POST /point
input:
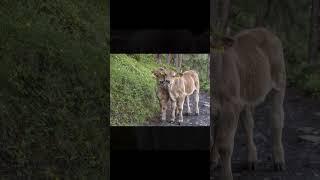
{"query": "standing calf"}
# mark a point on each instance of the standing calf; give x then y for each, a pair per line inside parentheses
(250, 66)
(162, 91)
(181, 86)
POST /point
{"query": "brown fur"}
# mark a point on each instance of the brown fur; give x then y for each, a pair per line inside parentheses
(181, 87)
(250, 67)
(162, 91)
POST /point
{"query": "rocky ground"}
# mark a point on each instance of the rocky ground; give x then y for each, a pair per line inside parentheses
(203, 119)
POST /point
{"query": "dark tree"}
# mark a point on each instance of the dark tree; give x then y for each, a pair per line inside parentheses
(314, 32)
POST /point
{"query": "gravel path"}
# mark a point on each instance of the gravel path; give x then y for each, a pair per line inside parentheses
(301, 139)
(203, 119)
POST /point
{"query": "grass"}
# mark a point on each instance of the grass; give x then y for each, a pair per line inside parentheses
(133, 96)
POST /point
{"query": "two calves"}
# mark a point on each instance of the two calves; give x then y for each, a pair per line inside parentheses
(176, 88)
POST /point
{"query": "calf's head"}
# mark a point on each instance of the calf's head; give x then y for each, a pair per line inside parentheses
(170, 76)
(159, 74)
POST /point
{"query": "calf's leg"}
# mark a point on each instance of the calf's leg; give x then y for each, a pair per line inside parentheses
(163, 105)
(180, 108)
(248, 124)
(214, 155)
(173, 106)
(225, 130)
(213, 148)
(188, 104)
(197, 101)
(277, 126)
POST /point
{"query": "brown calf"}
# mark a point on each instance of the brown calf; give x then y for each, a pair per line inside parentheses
(162, 91)
(181, 86)
(250, 67)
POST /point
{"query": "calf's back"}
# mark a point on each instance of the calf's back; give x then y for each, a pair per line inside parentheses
(250, 68)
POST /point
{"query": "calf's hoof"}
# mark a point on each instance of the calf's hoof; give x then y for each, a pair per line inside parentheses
(197, 113)
(252, 165)
(180, 120)
(278, 166)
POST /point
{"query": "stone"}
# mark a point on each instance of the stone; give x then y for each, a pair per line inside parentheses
(311, 138)
(317, 114)
(316, 132)
(206, 104)
(306, 130)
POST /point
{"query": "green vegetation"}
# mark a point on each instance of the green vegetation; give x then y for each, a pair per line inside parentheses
(198, 62)
(54, 89)
(133, 87)
(133, 95)
(307, 78)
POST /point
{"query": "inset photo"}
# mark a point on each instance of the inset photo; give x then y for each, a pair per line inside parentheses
(159, 90)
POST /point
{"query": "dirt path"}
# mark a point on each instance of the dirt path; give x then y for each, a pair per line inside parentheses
(302, 153)
(203, 119)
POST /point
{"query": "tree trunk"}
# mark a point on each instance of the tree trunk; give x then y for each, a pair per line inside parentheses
(266, 15)
(168, 58)
(219, 15)
(176, 61)
(208, 66)
(158, 58)
(259, 15)
(263, 13)
(225, 15)
(314, 30)
(179, 62)
(212, 13)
